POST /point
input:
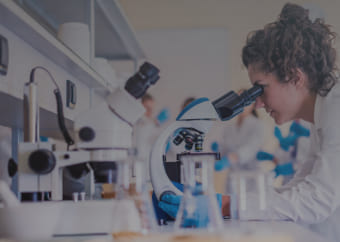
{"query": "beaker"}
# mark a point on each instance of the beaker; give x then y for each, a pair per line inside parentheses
(248, 191)
(134, 211)
(198, 207)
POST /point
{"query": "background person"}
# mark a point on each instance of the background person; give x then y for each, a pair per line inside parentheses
(146, 131)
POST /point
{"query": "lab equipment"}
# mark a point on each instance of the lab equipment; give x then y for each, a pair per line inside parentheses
(231, 104)
(134, 211)
(102, 140)
(7, 196)
(102, 137)
(26, 221)
(187, 132)
(241, 185)
(170, 204)
(198, 206)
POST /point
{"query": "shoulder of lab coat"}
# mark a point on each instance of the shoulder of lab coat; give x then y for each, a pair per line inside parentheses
(313, 194)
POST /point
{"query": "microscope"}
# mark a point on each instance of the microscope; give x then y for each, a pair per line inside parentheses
(103, 136)
(189, 129)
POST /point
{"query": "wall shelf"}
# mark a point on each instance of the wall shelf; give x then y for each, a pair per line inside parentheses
(114, 37)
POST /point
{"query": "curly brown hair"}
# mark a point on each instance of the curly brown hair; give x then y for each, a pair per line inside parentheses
(291, 42)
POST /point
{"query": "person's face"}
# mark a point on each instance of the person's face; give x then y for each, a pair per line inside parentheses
(148, 105)
(282, 101)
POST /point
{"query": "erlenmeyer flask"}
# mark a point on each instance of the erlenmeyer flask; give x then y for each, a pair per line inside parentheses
(199, 207)
(133, 211)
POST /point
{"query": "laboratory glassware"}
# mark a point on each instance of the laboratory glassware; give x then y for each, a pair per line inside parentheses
(134, 211)
(248, 191)
(198, 207)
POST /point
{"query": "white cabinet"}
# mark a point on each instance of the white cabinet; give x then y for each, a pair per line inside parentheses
(31, 26)
(37, 21)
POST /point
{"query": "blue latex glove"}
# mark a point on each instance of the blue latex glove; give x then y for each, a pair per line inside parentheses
(262, 155)
(284, 169)
(285, 142)
(222, 164)
(163, 116)
(214, 147)
(160, 214)
(299, 130)
(170, 204)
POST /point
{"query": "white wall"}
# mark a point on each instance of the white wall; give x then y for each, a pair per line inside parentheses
(192, 62)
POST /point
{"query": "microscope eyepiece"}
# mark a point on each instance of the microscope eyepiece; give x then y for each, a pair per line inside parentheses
(231, 104)
(146, 76)
(251, 94)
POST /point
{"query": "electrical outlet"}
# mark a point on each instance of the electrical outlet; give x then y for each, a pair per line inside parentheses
(71, 94)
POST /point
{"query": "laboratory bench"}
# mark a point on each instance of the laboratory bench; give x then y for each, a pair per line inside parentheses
(235, 231)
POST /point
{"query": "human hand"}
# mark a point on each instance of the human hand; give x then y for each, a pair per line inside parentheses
(262, 155)
(284, 169)
(222, 164)
(163, 116)
(170, 204)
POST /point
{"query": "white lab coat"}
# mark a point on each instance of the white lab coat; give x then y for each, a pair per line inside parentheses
(313, 195)
(245, 140)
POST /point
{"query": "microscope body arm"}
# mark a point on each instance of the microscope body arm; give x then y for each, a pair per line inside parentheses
(199, 115)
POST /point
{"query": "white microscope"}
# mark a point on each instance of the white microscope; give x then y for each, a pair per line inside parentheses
(190, 126)
(103, 135)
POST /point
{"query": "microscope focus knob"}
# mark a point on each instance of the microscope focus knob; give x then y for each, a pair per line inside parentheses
(87, 134)
(42, 161)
